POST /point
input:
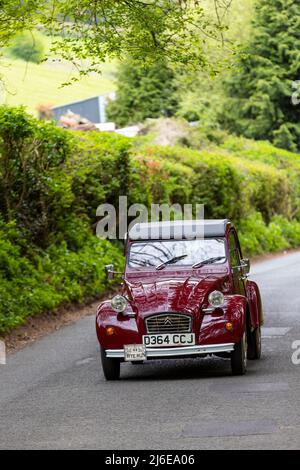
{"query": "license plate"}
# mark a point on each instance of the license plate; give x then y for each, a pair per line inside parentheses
(135, 352)
(165, 340)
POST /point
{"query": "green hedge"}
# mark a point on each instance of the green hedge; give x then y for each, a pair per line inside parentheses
(278, 159)
(49, 278)
(52, 181)
(49, 255)
(230, 185)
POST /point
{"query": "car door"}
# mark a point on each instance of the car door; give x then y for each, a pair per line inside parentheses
(235, 262)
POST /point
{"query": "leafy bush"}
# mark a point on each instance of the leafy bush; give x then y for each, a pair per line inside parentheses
(28, 46)
(257, 237)
(101, 171)
(35, 188)
(279, 159)
(290, 230)
(49, 278)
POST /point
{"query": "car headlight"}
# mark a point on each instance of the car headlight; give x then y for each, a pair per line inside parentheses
(118, 303)
(216, 299)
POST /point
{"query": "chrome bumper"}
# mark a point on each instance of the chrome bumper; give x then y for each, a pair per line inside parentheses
(176, 352)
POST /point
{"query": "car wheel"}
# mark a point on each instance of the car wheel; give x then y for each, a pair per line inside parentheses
(254, 350)
(239, 357)
(111, 367)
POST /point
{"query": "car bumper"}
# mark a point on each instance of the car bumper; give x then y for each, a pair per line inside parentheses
(186, 351)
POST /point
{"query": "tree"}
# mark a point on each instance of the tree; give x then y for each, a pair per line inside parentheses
(143, 92)
(28, 47)
(100, 29)
(260, 104)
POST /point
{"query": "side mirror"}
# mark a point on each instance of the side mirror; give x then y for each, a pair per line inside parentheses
(125, 243)
(109, 269)
(245, 265)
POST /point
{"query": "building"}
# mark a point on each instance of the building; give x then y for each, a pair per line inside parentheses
(92, 109)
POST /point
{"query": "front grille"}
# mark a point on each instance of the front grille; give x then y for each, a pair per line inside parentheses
(169, 323)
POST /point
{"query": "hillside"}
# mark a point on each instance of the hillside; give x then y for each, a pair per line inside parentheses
(29, 84)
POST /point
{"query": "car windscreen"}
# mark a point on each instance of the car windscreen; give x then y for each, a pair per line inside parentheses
(179, 252)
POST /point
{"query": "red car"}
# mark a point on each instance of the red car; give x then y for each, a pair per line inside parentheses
(185, 293)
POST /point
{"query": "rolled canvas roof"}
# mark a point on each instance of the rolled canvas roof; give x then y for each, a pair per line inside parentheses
(179, 229)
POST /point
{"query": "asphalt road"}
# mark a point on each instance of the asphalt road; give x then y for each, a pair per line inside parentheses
(53, 394)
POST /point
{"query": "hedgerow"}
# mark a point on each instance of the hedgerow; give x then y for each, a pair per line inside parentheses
(52, 181)
(45, 279)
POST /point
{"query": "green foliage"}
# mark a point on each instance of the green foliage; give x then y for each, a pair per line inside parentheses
(229, 185)
(143, 92)
(260, 92)
(263, 152)
(257, 237)
(34, 187)
(101, 171)
(48, 279)
(200, 98)
(201, 94)
(147, 30)
(290, 230)
(48, 254)
(28, 46)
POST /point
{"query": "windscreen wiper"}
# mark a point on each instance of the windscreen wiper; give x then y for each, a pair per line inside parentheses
(170, 261)
(208, 261)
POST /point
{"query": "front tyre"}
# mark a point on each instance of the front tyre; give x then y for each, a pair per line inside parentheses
(239, 357)
(111, 367)
(254, 349)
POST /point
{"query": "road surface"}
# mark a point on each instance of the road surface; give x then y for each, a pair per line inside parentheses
(53, 394)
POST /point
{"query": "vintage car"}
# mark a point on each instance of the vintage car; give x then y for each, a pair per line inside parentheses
(185, 294)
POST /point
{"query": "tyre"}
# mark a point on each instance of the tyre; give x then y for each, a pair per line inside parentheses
(254, 349)
(239, 357)
(111, 367)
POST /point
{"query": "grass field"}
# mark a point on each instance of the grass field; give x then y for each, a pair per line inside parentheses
(30, 84)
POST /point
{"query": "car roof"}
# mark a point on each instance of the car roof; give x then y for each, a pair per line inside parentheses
(179, 229)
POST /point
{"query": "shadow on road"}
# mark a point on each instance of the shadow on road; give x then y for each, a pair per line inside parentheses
(175, 370)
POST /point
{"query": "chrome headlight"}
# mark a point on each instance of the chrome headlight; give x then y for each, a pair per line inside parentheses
(216, 299)
(118, 303)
